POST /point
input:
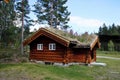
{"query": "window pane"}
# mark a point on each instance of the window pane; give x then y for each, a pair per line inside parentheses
(52, 46)
(39, 46)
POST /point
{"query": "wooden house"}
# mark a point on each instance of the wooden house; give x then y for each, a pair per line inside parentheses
(56, 46)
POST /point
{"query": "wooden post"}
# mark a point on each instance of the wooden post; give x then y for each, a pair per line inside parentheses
(87, 60)
(66, 56)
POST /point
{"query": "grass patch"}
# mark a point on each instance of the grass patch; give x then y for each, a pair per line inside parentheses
(111, 71)
(33, 71)
(108, 53)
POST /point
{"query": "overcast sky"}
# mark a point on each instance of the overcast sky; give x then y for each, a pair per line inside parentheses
(89, 15)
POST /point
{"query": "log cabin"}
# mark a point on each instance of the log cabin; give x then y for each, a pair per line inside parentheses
(57, 46)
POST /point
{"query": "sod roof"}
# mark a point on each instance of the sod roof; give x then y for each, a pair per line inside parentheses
(81, 41)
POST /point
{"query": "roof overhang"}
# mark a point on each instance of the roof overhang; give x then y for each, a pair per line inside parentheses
(88, 46)
(62, 40)
(95, 42)
(47, 33)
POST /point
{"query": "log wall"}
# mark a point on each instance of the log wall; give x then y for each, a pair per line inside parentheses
(79, 55)
(83, 55)
(46, 54)
(62, 54)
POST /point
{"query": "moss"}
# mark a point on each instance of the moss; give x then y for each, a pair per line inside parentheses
(84, 38)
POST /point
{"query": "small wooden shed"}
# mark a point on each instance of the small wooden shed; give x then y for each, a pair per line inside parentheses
(56, 46)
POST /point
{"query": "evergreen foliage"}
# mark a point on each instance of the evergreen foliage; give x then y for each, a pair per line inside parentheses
(111, 42)
(7, 16)
(52, 12)
(109, 30)
(111, 45)
(10, 13)
(22, 7)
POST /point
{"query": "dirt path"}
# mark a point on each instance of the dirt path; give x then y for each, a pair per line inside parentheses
(108, 57)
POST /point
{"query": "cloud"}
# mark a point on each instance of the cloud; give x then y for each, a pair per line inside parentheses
(78, 24)
(37, 26)
(84, 22)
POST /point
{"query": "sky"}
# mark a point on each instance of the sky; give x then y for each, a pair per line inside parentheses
(89, 15)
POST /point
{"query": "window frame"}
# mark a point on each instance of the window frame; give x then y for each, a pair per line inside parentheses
(40, 46)
(52, 46)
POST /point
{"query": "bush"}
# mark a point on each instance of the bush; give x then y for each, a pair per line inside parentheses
(12, 55)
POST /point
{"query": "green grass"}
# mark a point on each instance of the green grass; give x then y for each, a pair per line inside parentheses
(34, 71)
(108, 53)
(31, 71)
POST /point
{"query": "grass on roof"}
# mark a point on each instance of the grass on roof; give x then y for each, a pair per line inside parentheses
(84, 38)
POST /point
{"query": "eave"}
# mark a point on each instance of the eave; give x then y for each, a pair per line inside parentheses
(66, 41)
(89, 45)
(94, 42)
(50, 34)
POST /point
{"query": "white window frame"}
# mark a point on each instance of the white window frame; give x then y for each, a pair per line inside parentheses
(39, 46)
(52, 46)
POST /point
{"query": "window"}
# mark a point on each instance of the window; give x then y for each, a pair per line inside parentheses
(39, 46)
(52, 46)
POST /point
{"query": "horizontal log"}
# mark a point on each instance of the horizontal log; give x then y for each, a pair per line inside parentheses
(47, 59)
(47, 55)
(47, 52)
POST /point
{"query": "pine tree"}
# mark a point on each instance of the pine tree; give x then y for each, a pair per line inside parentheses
(23, 10)
(105, 29)
(109, 30)
(100, 30)
(52, 12)
(114, 30)
(22, 7)
(118, 27)
(7, 16)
